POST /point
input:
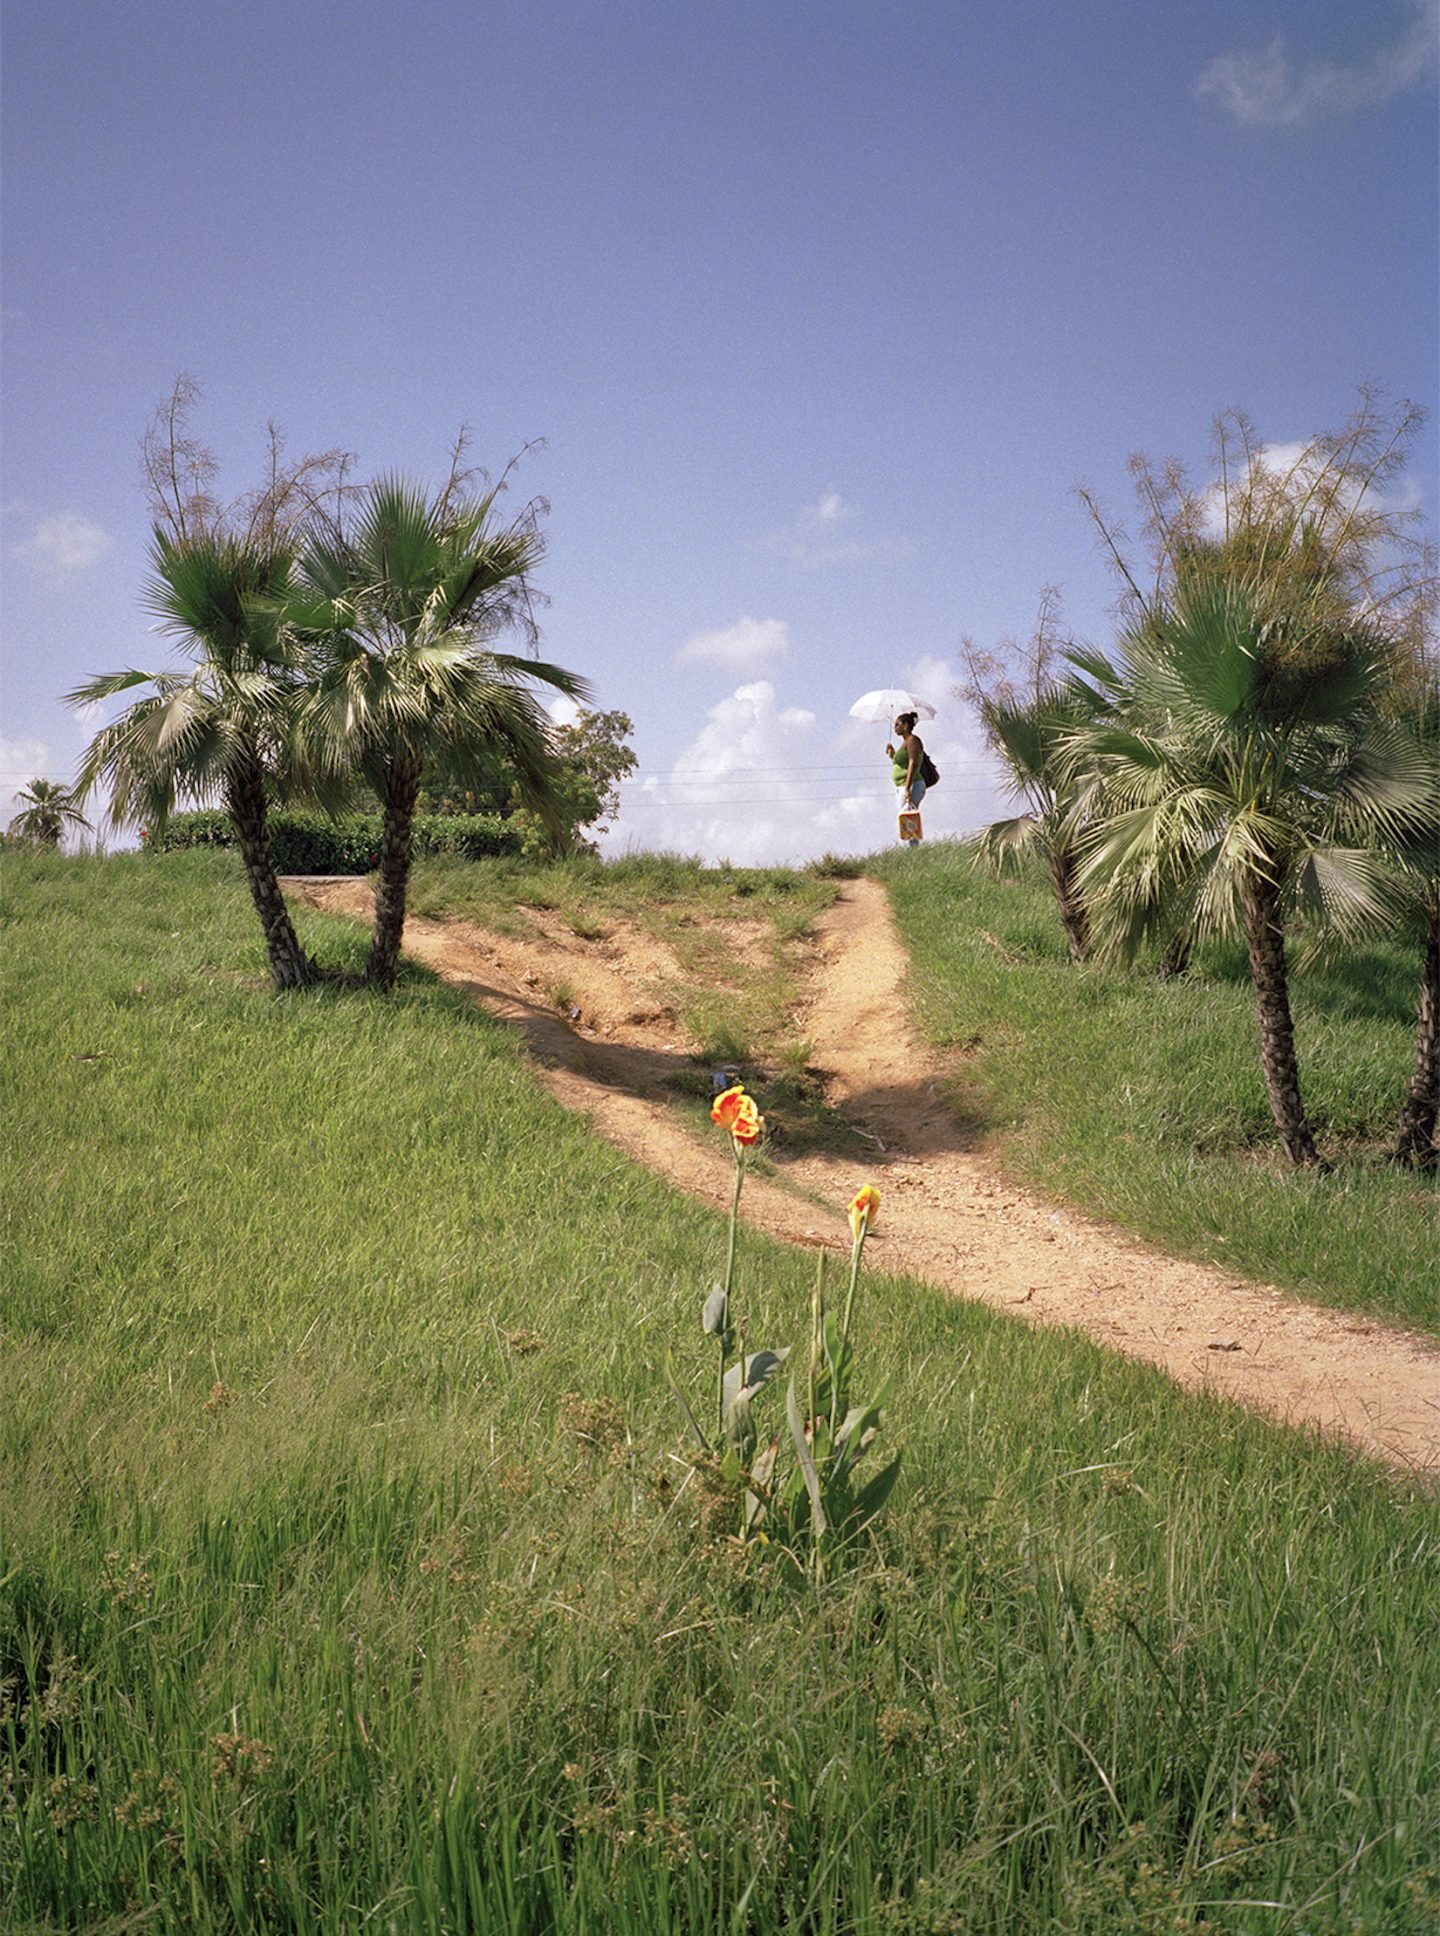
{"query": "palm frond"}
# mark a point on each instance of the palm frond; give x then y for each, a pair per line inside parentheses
(1350, 890)
(1005, 844)
(398, 616)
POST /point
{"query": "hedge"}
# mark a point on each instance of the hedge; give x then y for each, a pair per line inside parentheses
(309, 843)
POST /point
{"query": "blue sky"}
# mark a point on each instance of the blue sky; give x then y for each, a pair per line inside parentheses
(821, 308)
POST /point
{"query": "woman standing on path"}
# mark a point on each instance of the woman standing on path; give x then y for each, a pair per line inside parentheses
(907, 759)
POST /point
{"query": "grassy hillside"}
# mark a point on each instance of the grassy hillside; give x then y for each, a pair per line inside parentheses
(353, 1575)
(1143, 1100)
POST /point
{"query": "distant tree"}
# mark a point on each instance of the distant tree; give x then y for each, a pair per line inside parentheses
(48, 810)
(218, 731)
(591, 760)
(1028, 709)
(401, 599)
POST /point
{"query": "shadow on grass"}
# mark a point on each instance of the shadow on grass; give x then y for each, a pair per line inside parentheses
(886, 1122)
(1360, 987)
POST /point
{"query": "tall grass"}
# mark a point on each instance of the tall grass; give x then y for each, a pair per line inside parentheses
(1143, 1099)
(351, 1578)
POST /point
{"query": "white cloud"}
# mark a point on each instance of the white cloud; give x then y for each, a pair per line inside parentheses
(562, 711)
(764, 784)
(741, 791)
(831, 509)
(743, 647)
(931, 678)
(1299, 467)
(65, 542)
(21, 761)
(819, 536)
(1266, 89)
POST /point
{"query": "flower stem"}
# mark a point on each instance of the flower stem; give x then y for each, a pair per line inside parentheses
(817, 1334)
(729, 1282)
(855, 1250)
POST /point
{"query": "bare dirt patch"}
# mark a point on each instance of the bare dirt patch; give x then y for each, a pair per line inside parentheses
(614, 1048)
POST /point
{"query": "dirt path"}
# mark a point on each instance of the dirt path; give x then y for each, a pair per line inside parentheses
(946, 1216)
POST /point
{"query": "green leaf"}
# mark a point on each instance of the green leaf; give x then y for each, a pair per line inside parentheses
(806, 1462)
(684, 1403)
(758, 1369)
(859, 1425)
(868, 1412)
(872, 1497)
(838, 1356)
(740, 1431)
(762, 1469)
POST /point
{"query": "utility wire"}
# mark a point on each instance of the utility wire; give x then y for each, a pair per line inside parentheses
(708, 775)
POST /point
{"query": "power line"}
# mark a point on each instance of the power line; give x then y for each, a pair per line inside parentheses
(711, 775)
(762, 800)
(729, 772)
(759, 800)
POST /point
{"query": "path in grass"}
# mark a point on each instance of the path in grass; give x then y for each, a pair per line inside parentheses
(946, 1215)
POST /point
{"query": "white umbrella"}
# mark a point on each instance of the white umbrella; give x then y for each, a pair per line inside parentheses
(887, 704)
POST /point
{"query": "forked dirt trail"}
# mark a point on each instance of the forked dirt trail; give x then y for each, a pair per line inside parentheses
(946, 1216)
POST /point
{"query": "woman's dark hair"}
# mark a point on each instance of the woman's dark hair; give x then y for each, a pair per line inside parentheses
(907, 720)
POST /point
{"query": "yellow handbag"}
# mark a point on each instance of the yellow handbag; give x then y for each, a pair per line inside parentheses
(910, 824)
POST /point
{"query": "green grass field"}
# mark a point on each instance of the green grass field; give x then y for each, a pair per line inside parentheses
(353, 1576)
(1142, 1100)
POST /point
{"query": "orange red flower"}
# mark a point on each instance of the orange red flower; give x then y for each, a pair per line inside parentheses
(863, 1210)
(735, 1111)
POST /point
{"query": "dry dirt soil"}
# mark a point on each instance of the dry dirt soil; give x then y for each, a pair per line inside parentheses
(946, 1214)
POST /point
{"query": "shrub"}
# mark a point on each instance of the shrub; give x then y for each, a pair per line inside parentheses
(311, 843)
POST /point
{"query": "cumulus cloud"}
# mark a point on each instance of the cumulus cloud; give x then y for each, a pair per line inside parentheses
(825, 534)
(1267, 89)
(743, 647)
(765, 784)
(65, 542)
(1298, 467)
(739, 792)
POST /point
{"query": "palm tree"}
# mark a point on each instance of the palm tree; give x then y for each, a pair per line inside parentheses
(1249, 774)
(1030, 736)
(401, 607)
(48, 809)
(1028, 728)
(217, 730)
(1419, 855)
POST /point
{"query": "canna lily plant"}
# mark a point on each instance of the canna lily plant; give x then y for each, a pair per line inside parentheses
(822, 1504)
(738, 1378)
(818, 1505)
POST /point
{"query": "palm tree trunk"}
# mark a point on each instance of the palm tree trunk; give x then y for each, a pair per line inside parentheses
(1074, 915)
(1176, 959)
(1416, 1143)
(402, 789)
(290, 966)
(1265, 940)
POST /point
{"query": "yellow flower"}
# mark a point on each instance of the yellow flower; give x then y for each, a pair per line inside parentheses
(735, 1111)
(863, 1210)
